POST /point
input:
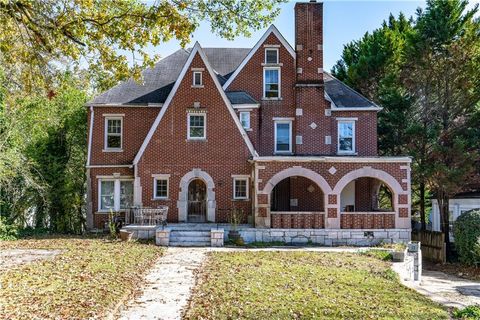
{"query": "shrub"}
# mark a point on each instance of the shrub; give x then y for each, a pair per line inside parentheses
(8, 231)
(470, 312)
(467, 236)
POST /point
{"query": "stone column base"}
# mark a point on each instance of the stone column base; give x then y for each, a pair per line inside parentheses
(162, 237)
(216, 237)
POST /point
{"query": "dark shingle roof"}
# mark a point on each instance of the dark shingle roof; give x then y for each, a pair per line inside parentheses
(240, 97)
(159, 80)
(343, 96)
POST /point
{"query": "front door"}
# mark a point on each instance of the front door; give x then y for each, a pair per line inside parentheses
(197, 201)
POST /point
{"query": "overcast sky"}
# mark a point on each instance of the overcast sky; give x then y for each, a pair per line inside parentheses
(344, 21)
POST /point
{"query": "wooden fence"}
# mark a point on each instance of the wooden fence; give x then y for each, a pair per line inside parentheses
(433, 245)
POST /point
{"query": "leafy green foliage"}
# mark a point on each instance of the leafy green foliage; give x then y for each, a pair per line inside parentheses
(467, 237)
(383, 255)
(8, 231)
(110, 36)
(42, 163)
(304, 285)
(86, 280)
(470, 312)
(425, 72)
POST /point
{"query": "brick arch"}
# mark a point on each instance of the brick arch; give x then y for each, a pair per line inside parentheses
(297, 171)
(369, 172)
(182, 203)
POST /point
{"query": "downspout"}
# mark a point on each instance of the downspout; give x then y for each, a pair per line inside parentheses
(89, 204)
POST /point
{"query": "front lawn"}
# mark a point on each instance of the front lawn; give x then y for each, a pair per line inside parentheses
(304, 285)
(86, 280)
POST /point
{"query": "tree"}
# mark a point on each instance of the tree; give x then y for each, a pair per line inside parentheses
(443, 76)
(36, 36)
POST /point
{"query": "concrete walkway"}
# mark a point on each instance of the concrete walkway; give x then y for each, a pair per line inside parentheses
(448, 290)
(167, 286)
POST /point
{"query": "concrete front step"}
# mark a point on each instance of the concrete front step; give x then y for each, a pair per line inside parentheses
(190, 244)
(184, 233)
(189, 239)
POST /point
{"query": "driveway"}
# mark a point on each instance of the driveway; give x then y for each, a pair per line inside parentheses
(449, 290)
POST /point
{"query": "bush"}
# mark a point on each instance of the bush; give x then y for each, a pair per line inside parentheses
(470, 312)
(8, 231)
(467, 237)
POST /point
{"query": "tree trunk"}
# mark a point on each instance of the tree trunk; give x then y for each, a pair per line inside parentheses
(422, 205)
(443, 206)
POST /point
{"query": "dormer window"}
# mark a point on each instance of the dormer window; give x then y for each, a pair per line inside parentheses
(197, 79)
(271, 56)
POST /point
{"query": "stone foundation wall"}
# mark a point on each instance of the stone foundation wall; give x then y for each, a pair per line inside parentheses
(326, 237)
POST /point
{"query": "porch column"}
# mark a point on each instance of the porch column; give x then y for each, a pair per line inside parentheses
(262, 211)
(332, 211)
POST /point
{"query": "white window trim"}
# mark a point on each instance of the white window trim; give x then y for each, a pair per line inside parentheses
(161, 177)
(279, 83)
(346, 120)
(272, 49)
(247, 187)
(105, 138)
(201, 79)
(116, 193)
(289, 139)
(249, 123)
(204, 115)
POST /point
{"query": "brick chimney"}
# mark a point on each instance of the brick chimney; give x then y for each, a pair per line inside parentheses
(313, 125)
(309, 41)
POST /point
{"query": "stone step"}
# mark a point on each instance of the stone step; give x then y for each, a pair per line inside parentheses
(184, 233)
(189, 244)
(189, 239)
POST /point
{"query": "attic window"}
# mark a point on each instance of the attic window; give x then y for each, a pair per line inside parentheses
(271, 56)
(197, 79)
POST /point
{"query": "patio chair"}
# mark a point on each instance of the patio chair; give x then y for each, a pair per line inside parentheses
(161, 214)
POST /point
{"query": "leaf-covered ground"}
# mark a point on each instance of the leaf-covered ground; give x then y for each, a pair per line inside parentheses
(86, 280)
(304, 285)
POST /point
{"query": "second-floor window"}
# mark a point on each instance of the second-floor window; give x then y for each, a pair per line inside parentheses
(196, 126)
(346, 136)
(271, 80)
(283, 136)
(245, 119)
(113, 133)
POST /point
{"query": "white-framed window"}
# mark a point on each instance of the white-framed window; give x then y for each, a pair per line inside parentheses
(160, 186)
(115, 194)
(271, 82)
(197, 126)
(245, 119)
(240, 188)
(197, 78)
(271, 56)
(283, 136)
(346, 136)
(113, 133)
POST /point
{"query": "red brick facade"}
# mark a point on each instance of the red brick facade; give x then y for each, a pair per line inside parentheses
(155, 142)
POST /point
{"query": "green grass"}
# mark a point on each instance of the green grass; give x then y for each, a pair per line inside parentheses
(383, 255)
(304, 285)
(86, 280)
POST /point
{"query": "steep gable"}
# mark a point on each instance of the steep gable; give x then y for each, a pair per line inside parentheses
(223, 128)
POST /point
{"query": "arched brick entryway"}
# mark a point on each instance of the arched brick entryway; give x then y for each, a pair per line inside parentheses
(182, 203)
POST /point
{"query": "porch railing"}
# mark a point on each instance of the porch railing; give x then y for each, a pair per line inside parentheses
(367, 220)
(147, 216)
(297, 220)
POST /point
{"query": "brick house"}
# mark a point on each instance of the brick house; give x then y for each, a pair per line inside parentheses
(263, 129)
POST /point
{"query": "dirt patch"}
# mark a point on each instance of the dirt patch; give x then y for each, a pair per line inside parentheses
(10, 258)
(455, 269)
